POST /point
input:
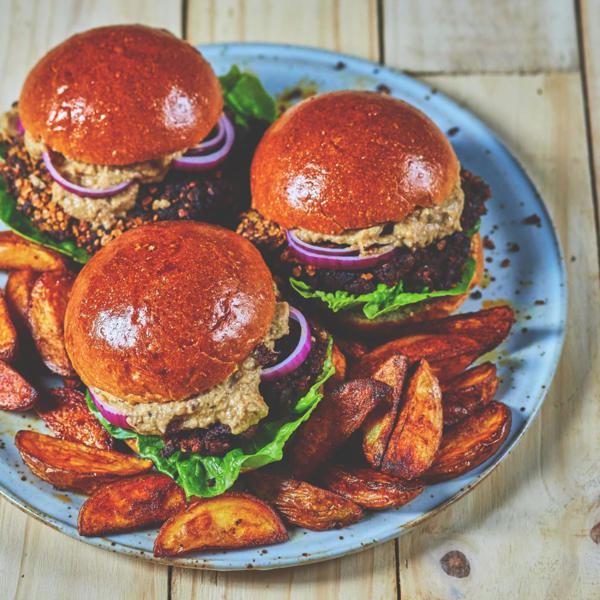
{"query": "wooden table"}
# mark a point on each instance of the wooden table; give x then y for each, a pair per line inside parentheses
(531, 70)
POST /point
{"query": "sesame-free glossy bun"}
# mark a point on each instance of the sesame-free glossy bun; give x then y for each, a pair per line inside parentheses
(393, 324)
(119, 95)
(168, 310)
(350, 160)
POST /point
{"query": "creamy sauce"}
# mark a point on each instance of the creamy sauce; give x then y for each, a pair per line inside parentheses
(100, 211)
(421, 228)
(235, 402)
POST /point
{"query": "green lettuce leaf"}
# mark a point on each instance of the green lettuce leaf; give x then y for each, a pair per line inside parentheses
(211, 475)
(384, 299)
(245, 96)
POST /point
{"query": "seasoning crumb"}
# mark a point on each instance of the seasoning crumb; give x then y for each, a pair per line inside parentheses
(513, 246)
(533, 220)
(488, 243)
(452, 131)
(476, 295)
(383, 89)
(455, 564)
(540, 302)
(595, 533)
(489, 259)
(573, 258)
(339, 65)
(505, 263)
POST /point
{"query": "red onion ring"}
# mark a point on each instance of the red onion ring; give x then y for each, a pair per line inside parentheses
(211, 143)
(338, 262)
(20, 128)
(298, 354)
(293, 239)
(109, 413)
(80, 190)
(208, 161)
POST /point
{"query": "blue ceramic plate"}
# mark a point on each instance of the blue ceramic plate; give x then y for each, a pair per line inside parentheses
(526, 361)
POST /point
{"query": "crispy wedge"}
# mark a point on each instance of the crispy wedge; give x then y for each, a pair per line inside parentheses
(338, 415)
(448, 355)
(18, 292)
(129, 504)
(339, 362)
(379, 424)
(468, 392)
(16, 393)
(418, 431)
(65, 412)
(19, 253)
(489, 327)
(8, 334)
(303, 504)
(369, 488)
(224, 522)
(471, 442)
(75, 466)
(47, 305)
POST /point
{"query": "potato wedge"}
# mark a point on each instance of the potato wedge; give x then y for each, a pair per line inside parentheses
(489, 327)
(16, 393)
(303, 504)
(470, 442)
(418, 432)
(47, 305)
(338, 415)
(468, 392)
(225, 522)
(352, 349)
(339, 362)
(129, 504)
(8, 333)
(380, 422)
(18, 292)
(18, 253)
(66, 413)
(75, 466)
(447, 355)
(369, 488)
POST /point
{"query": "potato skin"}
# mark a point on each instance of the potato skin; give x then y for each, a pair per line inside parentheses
(305, 505)
(369, 488)
(16, 393)
(66, 413)
(130, 504)
(74, 466)
(231, 520)
(470, 442)
(18, 253)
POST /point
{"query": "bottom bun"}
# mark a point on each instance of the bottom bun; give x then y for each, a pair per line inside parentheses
(354, 323)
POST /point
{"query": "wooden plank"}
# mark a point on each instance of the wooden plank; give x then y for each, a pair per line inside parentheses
(526, 529)
(346, 25)
(467, 36)
(39, 562)
(368, 575)
(36, 561)
(589, 22)
(36, 26)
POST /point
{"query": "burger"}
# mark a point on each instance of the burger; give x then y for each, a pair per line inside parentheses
(361, 207)
(188, 354)
(124, 125)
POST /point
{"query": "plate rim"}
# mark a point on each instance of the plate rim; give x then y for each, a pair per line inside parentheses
(260, 50)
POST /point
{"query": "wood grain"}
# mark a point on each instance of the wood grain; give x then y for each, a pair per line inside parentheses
(526, 529)
(38, 25)
(466, 36)
(346, 25)
(589, 17)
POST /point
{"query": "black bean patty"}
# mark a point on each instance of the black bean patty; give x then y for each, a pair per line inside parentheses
(436, 267)
(279, 395)
(215, 196)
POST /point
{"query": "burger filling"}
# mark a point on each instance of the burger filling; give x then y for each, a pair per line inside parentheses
(432, 260)
(235, 403)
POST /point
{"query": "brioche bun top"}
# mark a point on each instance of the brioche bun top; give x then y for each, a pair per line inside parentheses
(120, 95)
(350, 160)
(168, 310)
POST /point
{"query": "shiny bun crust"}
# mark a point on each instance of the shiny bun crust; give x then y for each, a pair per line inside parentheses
(391, 326)
(350, 160)
(120, 95)
(167, 311)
